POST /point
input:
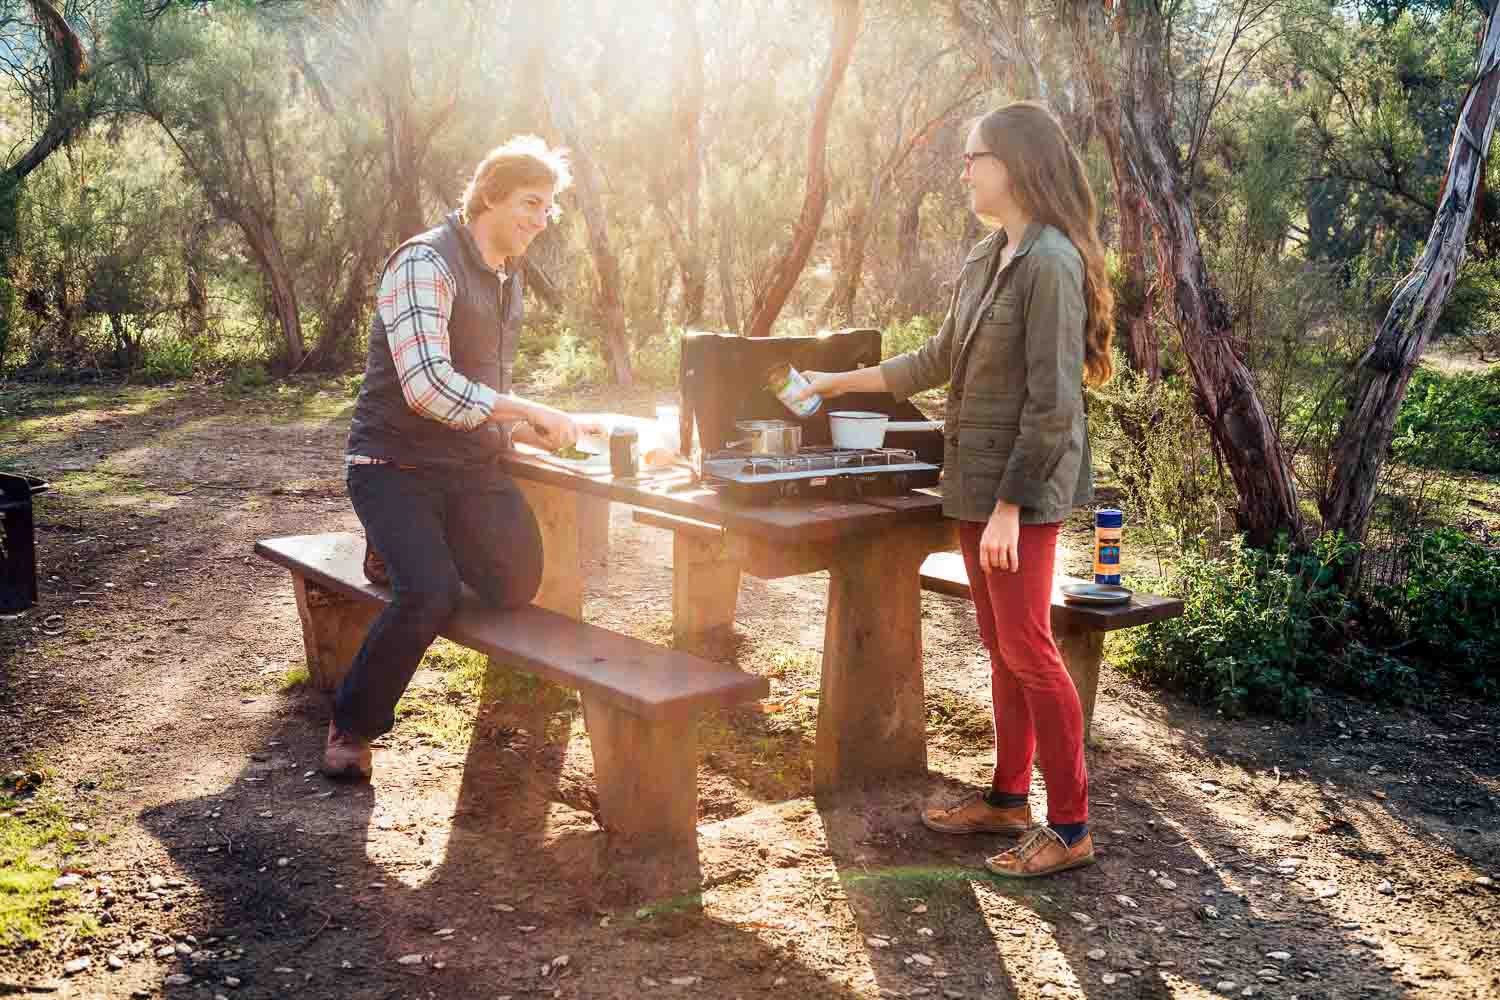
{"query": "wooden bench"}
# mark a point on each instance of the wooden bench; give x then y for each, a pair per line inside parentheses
(641, 702)
(1078, 628)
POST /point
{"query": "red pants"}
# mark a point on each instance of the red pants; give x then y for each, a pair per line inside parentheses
(1035, 704)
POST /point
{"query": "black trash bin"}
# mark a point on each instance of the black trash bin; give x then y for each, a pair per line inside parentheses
(17, 541)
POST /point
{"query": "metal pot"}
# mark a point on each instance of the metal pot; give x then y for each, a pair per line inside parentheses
(768, 437)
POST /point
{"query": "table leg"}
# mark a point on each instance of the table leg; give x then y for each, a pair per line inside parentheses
(1083, 652)
(333, 629)
(705, 589)
(561, 514)
(593, 529)
(872, 720)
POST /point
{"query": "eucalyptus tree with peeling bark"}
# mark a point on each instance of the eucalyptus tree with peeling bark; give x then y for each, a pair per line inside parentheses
(1386, 367)
(57, 84)
(1244, 436)
(788, 268)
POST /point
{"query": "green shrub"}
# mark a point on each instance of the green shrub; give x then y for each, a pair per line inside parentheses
(656, 361)
(1446, 611)
(1257, 630)
(900, 337)
(246, 377)
(168, 359)
(1450, 421)
(1262, 631)
(1156, 445)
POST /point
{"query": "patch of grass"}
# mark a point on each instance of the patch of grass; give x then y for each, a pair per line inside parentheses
(958, 717)
(791, 660)
(444, 713)
(33, 849)
(294, 678)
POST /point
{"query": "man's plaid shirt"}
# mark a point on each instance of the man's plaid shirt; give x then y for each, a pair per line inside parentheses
(415, 301)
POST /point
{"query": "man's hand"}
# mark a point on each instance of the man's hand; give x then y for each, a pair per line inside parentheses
(554, 428)
(999, 546)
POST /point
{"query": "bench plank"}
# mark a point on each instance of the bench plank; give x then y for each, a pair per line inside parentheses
(646, 680)
(945, 573)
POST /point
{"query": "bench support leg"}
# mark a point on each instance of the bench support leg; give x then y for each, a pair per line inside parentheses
(872, 720)
(646, 773)
(1082, 652)
(705, 590)
(572, 526)
(333, 629)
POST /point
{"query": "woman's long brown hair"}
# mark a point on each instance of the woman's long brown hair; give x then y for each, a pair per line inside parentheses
(1048, 182)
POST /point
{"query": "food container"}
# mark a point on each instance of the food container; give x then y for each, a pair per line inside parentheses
(785, 383)
(857, 428)
(624, 452)
(768, 437)
(1109, 524)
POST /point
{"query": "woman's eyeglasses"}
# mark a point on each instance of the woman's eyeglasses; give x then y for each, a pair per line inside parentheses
(969, 158)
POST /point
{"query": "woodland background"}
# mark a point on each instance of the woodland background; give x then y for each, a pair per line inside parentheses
(1306, 427)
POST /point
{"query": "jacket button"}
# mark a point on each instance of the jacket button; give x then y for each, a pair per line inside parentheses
(991, 442)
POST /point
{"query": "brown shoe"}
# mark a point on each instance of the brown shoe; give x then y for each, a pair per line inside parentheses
(975, 815)
(375, 570)
(346, 755)
(1042, 853)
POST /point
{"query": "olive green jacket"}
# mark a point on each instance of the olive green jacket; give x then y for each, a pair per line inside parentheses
(1012, 349)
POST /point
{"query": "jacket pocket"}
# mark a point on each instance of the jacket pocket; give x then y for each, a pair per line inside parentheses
(1004, 310)
(982, 453)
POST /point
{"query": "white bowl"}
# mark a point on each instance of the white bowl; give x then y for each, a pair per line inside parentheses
(857, 428)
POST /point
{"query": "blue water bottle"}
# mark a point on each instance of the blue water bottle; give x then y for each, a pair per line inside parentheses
(1109, 524)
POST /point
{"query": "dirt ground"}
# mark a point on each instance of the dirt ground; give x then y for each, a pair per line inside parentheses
(1354, 855)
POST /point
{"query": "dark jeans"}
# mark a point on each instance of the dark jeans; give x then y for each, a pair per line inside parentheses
(435, 531)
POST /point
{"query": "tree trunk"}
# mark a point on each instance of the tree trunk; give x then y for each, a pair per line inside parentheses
(849, 262)
(786, 271)
(689, 133)
(68, 68)
(1383, 371)
(267, 251)
(608, 301)
(1133, 306)
(197, 287)
(729, 303)
(1226, 394)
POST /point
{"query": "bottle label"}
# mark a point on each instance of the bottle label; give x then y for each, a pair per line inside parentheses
(1107, 555)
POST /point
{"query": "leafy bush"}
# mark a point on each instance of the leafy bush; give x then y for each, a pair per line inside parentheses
(1154, 442)
(169, 358)
(552, 356)
(1447, 609)
(1256, 629)
(656, 361)
(1450, 421)
(1261, 631)
(900, 337)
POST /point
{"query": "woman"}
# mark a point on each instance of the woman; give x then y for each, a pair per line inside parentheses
(1030, 318)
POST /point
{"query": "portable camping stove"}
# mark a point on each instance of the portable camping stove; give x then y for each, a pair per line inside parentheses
(814, 472)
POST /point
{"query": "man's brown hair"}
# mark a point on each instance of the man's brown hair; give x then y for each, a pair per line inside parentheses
(521, 162)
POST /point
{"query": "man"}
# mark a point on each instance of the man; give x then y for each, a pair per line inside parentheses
(434, 413)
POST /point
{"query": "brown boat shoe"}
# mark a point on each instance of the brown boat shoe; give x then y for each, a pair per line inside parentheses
(346, 755)
(374, 567)
(1042, 852)
(976, 815)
